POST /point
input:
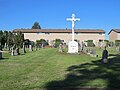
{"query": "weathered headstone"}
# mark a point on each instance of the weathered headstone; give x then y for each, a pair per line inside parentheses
(82, 46)
(12, 51)
(42, 45)
(79, 47)
(17, 51)
(88, 50)
(60, 48)
(24, 48)
(93, 52)
(5, 46)
(35, 47)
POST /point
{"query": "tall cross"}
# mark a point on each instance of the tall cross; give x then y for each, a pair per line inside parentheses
(73, 19)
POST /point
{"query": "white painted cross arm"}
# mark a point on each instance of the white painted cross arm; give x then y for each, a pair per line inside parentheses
(77, 19)
(69, 19)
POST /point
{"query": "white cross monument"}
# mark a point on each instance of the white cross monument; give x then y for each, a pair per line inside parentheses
(73, 45)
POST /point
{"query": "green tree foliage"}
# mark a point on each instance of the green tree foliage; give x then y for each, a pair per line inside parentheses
(38, 42)
(1, 36)
(117, 42)
(5, 35)
(27, 42)
(18, 39)
(41, 42)
(90, 43)
(36, 26)
(10, 39)
(57, 42)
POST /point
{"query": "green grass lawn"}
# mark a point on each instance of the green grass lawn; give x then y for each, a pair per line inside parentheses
(47, 68)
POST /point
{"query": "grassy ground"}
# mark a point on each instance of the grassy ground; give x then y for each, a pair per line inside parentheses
(48, 69)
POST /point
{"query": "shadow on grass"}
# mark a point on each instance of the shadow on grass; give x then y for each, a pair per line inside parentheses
(4, 58)
(83, 76)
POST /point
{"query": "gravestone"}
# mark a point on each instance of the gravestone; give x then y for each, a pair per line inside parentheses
(24, 48)
(0, 52)
(35, 47)
(5, 46)
(30, 48)
(73, 47)
(17, 51)
(42, 45)
(79, 47)
(60, 48)
(12, 51)
(82, 46)
(88, 51)
(93, 53)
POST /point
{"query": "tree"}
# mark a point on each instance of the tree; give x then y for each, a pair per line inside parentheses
(41, 42)
(27, 42)
(36, 26)
(18, 40)
(1, 36)
(9, 40)
(5, 35)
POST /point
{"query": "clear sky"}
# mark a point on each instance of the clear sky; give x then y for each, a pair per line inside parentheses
(52, 14)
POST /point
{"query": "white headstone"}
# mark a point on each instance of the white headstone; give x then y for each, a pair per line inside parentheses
(73, 47)
(30, 48)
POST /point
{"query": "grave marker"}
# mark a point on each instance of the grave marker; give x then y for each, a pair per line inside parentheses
(73, 45)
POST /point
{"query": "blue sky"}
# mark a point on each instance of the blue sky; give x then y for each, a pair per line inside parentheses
(94, 14)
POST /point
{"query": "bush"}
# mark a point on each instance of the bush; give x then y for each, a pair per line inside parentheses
(41, 42)
(32, 43)
(57, 42)
(27, 42)
(117, 42)
(90, 43)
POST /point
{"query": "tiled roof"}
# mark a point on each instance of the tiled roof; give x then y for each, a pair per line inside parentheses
(59, 30)
(115, 30)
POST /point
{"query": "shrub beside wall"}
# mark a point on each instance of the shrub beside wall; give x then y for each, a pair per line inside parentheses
(117, 42)
(57, 42)
(90, 43)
